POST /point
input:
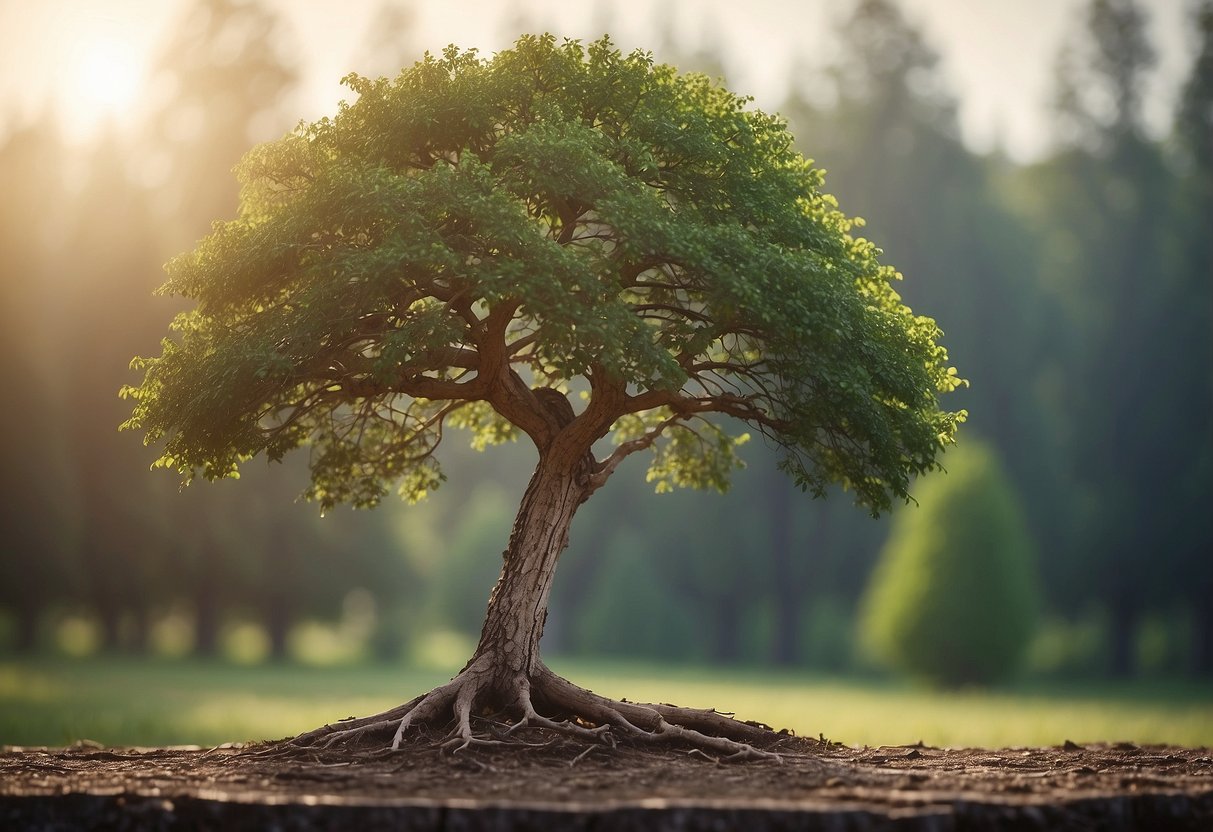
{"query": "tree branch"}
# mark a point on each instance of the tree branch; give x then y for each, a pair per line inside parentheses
(641, 308)
(741, 407)
(606, 467)
(516, 347)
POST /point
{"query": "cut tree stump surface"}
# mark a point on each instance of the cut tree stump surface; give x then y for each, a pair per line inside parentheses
(557, 784)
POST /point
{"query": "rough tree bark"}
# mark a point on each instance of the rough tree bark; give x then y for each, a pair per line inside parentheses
(517, 609)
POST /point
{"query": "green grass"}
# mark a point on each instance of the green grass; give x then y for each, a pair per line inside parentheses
(128, 702)
(867, 712)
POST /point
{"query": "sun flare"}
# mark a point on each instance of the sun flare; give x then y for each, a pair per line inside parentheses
(104, 81)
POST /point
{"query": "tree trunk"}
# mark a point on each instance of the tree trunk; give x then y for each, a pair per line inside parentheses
(518, 605)
(787, 591)
(110, 619)
(726, 647)
(140, 631)
(1123, 631)
(506, 675)
(579, 575)
(206, 615)
(277, 625)
(28, 616)
(1202, 665)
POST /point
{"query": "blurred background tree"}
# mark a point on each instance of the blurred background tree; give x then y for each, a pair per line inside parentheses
(1189, 530)
(1102, 208)
(39, 557)
(1074, 289)
(954, 599)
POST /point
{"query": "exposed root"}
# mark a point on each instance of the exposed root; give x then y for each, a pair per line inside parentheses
(706, 730)
(462, 708)
(352, 727)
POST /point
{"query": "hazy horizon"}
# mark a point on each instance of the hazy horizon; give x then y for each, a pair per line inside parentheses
(86, 61)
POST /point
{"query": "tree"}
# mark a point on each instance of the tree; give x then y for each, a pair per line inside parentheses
(890, 138)
(475, 241)
(218, 84)
(221, 78)
(954, 598)
(1106, 197)
(1101, 78)
(114, 255)
(37, 567)
(1190, 330)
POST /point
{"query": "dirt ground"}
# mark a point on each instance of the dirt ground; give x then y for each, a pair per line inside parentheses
(556, 783)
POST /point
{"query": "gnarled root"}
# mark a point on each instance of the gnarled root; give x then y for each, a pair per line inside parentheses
(546, 701)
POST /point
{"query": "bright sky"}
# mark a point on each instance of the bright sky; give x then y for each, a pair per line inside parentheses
(87, 58)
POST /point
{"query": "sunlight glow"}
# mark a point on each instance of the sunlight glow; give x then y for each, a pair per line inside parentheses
(997, 57)
(103, 80)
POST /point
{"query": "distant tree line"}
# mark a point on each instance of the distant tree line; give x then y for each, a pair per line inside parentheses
(1076, 294)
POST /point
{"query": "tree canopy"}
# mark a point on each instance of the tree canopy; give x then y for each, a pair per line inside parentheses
(473, 231)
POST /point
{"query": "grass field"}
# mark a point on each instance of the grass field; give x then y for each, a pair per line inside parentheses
(128, 702)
